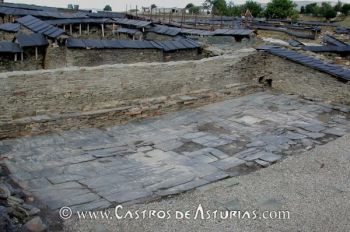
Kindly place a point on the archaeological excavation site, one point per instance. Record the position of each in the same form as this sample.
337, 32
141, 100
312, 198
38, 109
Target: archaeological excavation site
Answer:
173, 119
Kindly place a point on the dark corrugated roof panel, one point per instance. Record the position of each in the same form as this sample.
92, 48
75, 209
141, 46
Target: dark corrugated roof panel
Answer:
106, 14
329, 48
29, 7
100, 44
165, 30
178, 44
342, 30
334, 41
31, 40
39, 26
10, 27
37, 13
128, 31
295, 43
9, 47
78, 21
133, 44
130, 22
332, 69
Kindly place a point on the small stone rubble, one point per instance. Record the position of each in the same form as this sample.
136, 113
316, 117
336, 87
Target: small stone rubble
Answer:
16, 211
161, 156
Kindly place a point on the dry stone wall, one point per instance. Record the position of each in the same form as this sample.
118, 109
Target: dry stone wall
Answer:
49, 95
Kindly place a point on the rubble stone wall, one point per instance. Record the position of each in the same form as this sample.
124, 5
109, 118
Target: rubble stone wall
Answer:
94, 57
79, 91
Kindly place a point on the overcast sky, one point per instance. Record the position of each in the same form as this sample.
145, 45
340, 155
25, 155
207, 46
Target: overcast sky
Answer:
120, 5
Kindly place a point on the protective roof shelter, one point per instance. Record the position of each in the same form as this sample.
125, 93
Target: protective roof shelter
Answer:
329, 48
330, 40
132, 44
9, 47
332, 69
31, 40
60, 22
10, 27
39, 26
165, 30
5, 10
106, 14
133, 23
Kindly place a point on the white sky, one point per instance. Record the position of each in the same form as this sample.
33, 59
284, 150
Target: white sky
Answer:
120, 5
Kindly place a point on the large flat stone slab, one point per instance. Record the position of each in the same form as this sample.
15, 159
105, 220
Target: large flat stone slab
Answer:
92, 169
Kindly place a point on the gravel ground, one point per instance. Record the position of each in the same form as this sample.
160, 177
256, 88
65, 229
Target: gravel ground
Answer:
314, 187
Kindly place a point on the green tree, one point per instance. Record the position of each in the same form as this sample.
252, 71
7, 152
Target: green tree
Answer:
345, 9
189, 5
280, 9
194, 10
338, 6
219, 7
302, 10
312, 9
107, 8
234, 10
153, 6
327, 11
254, 7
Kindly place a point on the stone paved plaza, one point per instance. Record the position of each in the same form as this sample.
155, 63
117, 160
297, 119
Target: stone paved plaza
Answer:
138, 161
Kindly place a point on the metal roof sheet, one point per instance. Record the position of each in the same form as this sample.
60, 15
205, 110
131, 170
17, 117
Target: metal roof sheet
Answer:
128, 31
79, 21
131, 22
165, 30
106, 14
334, 41
342, 30
31, 40
295, 43
29, 7
133, 44
10, 27
331, 69
329, 48
37, 13
9, 47
37, 25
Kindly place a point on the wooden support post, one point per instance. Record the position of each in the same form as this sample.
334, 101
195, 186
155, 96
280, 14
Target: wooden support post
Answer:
22, 56
113, 28
64, 27
103, 30
133, 37
88, 29
15, 57
70, 29
182, 18
36, 53
195, 21
80, 29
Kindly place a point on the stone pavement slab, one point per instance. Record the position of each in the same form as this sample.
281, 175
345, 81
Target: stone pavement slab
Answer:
165, 155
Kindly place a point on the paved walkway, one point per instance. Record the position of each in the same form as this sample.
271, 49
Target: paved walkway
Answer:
90, 169
314, 187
